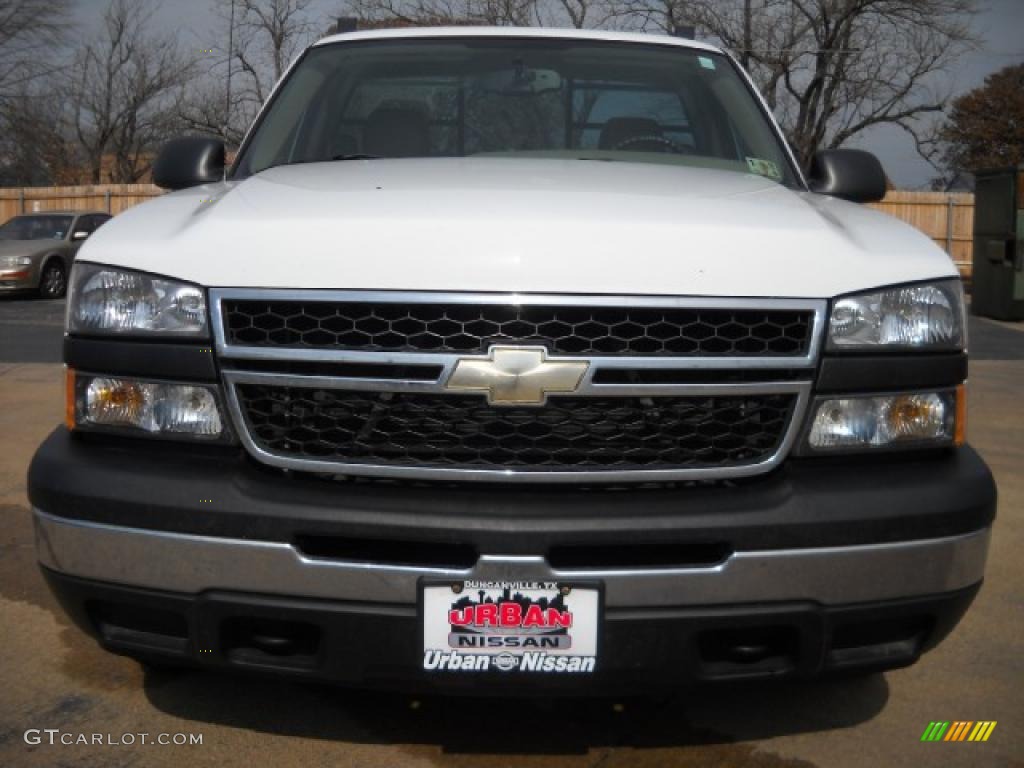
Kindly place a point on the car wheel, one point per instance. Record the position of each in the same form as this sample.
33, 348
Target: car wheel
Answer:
54, 281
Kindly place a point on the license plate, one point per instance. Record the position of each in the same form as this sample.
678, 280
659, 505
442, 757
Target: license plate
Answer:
541, 627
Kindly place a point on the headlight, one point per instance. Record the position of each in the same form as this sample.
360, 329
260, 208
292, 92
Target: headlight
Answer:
107, 300
158, 409
15, 261
926, 316
887, 421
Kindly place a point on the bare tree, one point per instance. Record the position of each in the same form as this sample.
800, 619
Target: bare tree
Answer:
255, 43
209, 108
30, 30
124, 91
433, 13
268, 35
831, 69
649, 15
35, 143
580, 14
577, 12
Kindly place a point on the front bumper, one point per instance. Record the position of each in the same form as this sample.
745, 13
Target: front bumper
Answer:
21, 279
201, 556
377, 645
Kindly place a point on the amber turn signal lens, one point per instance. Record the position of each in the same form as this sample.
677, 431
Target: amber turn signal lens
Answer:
960, 430
69, 397
158, 408
913, 418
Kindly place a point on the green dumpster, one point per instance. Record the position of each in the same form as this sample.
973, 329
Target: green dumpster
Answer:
998, 279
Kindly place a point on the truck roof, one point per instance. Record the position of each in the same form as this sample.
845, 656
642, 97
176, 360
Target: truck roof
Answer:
534, 32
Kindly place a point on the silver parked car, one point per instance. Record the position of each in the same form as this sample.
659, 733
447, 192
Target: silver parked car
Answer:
36, 249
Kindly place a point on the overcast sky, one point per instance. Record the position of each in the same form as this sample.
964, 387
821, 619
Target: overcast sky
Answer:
1000, 26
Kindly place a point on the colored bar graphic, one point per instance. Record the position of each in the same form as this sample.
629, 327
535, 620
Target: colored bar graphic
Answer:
958, 730
982, 730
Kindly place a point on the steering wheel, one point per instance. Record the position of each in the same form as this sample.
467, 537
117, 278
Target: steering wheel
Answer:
655, 142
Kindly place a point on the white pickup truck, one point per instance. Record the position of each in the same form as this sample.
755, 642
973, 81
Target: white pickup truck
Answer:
514, 360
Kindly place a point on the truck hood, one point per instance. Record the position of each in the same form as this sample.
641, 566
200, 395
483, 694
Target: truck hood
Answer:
526, 225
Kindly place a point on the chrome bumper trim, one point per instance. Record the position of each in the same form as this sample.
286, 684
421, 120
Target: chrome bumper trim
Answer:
191, 564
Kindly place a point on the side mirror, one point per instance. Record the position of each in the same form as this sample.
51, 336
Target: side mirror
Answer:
79, 235
850, 174
189, 161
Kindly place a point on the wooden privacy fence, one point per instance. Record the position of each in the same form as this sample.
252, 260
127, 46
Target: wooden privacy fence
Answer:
112, 198
947, 218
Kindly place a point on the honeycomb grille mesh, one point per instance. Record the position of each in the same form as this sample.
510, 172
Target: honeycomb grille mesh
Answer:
472, 328
569, 433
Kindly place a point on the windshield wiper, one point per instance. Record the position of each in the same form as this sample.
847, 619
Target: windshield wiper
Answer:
356, 156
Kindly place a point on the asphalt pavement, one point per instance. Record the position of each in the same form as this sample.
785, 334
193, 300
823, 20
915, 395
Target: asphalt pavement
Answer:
53, 677
31, 330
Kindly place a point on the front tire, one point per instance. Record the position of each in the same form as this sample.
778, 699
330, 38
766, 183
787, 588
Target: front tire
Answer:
53, 283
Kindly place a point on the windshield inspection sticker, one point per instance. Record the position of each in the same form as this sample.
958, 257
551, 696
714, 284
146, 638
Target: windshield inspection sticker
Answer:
516, 626
706, 62
764, 168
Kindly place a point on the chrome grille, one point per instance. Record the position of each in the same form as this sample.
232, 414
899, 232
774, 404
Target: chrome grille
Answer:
343, 382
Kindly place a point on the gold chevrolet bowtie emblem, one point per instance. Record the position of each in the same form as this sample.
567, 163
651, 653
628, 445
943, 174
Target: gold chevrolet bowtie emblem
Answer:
517, 375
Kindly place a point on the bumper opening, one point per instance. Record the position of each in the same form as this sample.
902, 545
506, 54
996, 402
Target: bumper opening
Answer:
646, 555
372, 645
766, 650
266, 642
134, 625
872, 642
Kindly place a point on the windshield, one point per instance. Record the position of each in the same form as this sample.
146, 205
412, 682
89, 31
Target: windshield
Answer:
36, 228
458, 97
